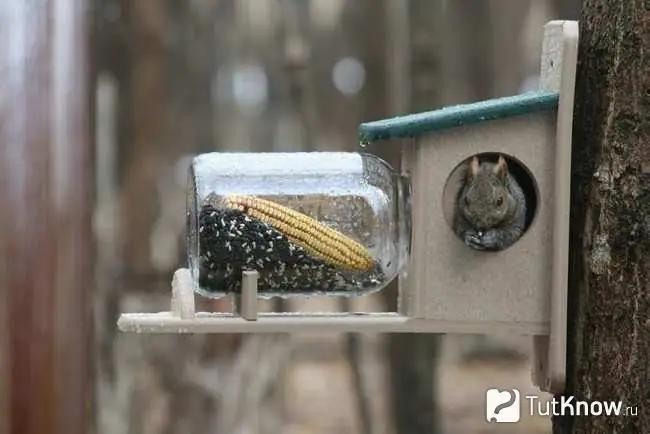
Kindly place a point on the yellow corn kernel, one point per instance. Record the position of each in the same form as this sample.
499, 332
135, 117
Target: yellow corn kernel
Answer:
310, 234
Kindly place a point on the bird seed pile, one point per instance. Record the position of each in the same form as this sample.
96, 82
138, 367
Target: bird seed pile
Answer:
231, 241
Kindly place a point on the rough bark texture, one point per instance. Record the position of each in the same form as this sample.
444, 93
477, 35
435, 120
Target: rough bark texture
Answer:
609, 306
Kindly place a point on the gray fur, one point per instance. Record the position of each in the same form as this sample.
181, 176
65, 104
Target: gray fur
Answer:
480, 220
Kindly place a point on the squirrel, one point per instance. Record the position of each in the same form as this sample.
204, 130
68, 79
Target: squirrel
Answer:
490, 212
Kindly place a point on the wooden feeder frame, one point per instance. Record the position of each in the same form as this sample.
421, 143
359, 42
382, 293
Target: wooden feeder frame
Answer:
557, 81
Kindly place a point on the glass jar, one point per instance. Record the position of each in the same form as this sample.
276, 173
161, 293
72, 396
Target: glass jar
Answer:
311, 223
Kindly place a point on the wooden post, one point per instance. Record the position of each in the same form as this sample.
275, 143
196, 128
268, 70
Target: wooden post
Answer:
609, 277
46, 191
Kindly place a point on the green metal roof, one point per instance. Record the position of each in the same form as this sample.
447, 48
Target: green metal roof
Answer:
454, 116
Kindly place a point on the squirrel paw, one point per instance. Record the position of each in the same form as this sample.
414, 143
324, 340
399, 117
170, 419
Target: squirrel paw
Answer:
475, 240
481, 241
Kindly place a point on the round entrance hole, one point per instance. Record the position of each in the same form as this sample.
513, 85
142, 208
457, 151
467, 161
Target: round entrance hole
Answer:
517, 170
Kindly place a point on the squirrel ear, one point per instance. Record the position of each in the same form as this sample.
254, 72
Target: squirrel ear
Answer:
473, 166
501, 169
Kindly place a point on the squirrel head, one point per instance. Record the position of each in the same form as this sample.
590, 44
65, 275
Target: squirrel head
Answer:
485, 199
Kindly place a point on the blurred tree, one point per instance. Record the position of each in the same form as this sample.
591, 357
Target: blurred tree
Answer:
481, 53
609, 277
46, 192
144, 95
370, 103
160, 71
567, 9
413, 65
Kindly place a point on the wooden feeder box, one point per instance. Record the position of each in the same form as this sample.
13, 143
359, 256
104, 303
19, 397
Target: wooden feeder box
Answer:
448, 287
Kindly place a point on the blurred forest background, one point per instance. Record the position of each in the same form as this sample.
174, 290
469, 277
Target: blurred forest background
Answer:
175, 78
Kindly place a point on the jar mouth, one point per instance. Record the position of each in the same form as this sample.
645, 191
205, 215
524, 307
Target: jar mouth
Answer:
405, 198
192, 223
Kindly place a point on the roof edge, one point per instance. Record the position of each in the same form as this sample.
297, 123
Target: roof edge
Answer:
455, 116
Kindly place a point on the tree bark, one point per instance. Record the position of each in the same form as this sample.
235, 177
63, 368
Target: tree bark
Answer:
609, 275
46, 197
567, 9
146, 99
413, 71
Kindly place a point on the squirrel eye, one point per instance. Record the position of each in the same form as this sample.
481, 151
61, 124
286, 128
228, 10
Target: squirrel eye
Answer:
499, 200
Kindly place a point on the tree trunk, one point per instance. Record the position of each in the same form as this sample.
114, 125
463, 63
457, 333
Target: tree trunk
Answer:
567, 9
146, 100
413, 70
609, 302
46, 196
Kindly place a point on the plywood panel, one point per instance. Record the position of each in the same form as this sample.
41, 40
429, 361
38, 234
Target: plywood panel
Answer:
449, 281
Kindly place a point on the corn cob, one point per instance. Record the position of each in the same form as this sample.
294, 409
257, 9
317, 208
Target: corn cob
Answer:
230, 241
306, 232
